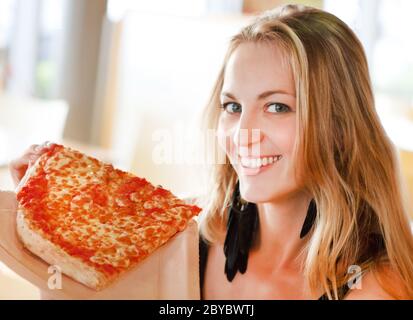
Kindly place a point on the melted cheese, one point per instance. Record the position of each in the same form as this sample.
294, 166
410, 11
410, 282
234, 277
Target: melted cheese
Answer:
106, 217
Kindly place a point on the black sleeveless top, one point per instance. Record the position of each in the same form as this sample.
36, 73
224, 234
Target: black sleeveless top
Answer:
203, 256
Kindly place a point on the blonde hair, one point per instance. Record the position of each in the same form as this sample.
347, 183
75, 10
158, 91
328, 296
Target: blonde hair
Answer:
351, 166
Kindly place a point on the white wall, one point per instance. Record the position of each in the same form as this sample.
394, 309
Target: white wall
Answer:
168, 65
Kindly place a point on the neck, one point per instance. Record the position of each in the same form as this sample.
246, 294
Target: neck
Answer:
278, 240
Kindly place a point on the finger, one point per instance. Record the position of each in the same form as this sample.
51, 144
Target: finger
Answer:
16, 163
22, 162
35, 149
32, 149
41, 148
33, 158
18, 169
47, 145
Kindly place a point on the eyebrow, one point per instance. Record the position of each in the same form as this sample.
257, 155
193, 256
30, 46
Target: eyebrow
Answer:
261, 96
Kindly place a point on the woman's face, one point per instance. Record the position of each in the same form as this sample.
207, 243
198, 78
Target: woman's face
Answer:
257, 125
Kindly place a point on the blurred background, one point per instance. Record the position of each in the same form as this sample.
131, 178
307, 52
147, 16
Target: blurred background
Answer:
115, 78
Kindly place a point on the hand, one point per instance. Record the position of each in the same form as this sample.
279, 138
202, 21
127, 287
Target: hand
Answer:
19, 166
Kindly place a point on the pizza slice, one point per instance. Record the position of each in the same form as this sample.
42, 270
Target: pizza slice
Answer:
92, 220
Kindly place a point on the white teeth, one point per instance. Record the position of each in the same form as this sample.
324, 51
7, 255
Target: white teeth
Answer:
245, 162
257, 163
253, 163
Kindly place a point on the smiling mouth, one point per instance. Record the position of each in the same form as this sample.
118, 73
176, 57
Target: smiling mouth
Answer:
256, 163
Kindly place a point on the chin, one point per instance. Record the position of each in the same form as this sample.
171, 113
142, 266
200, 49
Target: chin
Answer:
257, 194
253, 194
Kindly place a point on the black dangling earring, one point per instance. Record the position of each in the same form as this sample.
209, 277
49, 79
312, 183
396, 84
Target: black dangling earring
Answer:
242, 227
309, 219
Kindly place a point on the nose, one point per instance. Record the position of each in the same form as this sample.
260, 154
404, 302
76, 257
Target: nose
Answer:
248, 136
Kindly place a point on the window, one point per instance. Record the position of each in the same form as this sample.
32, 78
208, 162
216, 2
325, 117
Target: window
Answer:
384, 28
7, 8
31, 35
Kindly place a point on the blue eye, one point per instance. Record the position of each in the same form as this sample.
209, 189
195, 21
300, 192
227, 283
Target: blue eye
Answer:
232, 107
277, 108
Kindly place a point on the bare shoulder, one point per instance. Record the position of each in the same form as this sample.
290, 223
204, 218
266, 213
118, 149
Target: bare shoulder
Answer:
371, 286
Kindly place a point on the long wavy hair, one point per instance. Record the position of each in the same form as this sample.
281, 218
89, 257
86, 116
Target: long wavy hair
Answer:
351, 166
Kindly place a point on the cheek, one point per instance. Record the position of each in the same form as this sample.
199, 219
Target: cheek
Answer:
283, 135
224, 134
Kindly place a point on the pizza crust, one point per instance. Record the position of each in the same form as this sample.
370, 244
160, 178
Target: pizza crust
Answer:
54, 255
36, 241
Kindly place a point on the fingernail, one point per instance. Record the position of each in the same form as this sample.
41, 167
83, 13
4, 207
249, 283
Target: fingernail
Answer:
49, 144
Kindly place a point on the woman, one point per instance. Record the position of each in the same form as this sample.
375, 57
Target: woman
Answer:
294, 113
309, 195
